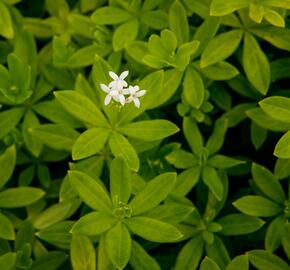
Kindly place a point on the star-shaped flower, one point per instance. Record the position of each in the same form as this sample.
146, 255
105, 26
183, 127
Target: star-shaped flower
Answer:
114, 93
135, 93
118, 81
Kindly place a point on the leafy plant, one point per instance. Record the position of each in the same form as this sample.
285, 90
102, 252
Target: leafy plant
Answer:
144, 134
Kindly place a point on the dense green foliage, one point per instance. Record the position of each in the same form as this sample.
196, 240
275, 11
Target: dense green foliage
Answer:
181, 163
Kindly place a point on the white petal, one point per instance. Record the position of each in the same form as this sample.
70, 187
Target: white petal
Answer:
136, 102
107, 99
131, 90
113, 84
130, 99
114, 93
120, 84
140, 93
105, 88
124, 74
125, 91
113, 75
124, 84
122, 99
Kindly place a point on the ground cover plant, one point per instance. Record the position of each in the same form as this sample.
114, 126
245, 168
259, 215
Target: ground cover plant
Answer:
144, 135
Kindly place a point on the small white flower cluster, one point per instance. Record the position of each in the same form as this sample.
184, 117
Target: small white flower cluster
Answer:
119, 91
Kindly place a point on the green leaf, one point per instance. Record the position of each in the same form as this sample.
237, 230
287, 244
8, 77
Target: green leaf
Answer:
221, 47
49, 260
9, 119
240, 262
33, 145
20, 196
118, 245
162, 46
154, 192
262, 260
125, 34
282, 168
56, 213
286, 240
276, 3
192, 135
7, 261
54, 111
213, 181
6, 229
187, 180
90, 191
218, 252
274, 18
282, 148
121, 147
221, 8
187, 259
82, 253
153, 230
267, 183
6, 24
258, 135
206, 32
184, 53
7, 164
193, 88
171, 212
265, 121
278, 37
93, 224
178, 22
209, 264
149, 130
224, 162
56, 136
90, 142
111, 15
155, 19
81, 107
182, 159
141, 260
256, 12
220, 71
239, 224
216, 140
277, 108
120, 181
83, 57
256, 64
57, 234
257, 206
274, 233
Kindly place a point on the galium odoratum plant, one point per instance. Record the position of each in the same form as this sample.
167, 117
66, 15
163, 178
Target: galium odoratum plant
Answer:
117, 216
109, 128
269, 202
117, 90
204, 161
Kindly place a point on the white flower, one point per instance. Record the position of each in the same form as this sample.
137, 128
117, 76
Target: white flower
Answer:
116, 90
114, 93
135, 93
118, 81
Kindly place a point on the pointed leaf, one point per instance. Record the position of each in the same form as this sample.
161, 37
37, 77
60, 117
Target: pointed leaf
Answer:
153, 230
93, 224
154, 192
90, 191
118, 245
121, 147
